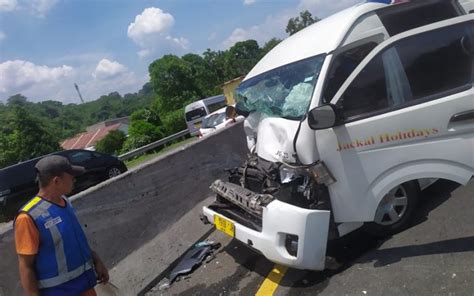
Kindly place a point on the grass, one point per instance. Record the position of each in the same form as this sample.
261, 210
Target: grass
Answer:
145, 157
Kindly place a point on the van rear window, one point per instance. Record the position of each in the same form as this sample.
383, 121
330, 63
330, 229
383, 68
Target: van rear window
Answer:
195, 114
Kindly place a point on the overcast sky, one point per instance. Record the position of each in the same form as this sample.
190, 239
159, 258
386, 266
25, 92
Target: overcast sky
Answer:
106, 45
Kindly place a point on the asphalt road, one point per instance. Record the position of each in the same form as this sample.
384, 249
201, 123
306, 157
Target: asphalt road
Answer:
433, 257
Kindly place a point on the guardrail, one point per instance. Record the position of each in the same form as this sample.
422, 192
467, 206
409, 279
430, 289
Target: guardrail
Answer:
153, 145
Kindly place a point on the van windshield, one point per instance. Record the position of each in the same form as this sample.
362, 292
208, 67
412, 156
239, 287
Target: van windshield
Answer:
282, 92
213, 120
195, 114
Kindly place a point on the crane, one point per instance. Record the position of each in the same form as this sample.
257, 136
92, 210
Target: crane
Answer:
78, 92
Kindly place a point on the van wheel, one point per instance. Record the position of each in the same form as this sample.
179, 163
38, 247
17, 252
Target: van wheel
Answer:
395, 210
113, 172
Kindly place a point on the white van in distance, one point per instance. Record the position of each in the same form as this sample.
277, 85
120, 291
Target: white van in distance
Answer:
347, 121
196, 111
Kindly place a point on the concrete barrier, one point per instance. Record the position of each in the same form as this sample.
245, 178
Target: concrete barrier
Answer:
131, 220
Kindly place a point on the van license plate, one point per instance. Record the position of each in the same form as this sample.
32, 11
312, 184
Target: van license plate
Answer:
197, 125
224, 225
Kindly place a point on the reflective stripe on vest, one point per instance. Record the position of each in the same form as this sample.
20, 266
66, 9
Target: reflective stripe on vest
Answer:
47, 218
64, 277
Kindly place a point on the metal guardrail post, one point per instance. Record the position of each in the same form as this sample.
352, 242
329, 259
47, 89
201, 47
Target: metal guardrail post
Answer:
153, 145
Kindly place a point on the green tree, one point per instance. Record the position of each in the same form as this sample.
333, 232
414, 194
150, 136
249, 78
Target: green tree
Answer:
300, 22
205, 80
27, 138
7, 150
269, 45
242, 57
172, 80
112, 143
174, 122
17, 100
31, 139
145, 128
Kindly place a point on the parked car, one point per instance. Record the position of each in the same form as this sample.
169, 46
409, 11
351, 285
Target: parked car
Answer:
18, 182
217, 120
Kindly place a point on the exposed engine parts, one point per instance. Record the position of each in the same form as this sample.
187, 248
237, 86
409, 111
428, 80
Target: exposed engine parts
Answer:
244, 198
258, 182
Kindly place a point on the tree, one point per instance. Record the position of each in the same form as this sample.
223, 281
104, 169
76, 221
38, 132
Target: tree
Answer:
269, 45
112, 143
7, 150
242, 58
27, 138
298, 23
205, 80
31, 139
17, 100
172, 80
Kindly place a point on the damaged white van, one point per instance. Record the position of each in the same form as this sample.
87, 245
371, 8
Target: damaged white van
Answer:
347, 121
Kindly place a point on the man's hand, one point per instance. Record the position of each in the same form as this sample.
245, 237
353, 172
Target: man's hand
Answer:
102, 272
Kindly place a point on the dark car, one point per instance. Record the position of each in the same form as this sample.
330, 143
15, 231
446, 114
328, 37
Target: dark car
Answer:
18, 182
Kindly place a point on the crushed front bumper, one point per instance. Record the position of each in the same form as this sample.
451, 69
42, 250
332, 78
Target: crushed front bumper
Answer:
281, 222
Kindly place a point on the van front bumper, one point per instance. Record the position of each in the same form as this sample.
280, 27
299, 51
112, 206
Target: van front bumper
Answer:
281, 223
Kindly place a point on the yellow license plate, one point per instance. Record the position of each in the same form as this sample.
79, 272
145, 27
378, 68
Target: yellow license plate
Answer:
197, 125
224, 225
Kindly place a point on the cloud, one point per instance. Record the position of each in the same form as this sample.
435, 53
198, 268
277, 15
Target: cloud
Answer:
249, 2
274, 25
39, 83
107, 69
150, 31
151, 21
8, 5
2, 36
41, 7
19, 75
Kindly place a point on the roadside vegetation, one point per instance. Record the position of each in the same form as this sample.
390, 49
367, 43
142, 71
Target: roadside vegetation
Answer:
146, 157
29, 130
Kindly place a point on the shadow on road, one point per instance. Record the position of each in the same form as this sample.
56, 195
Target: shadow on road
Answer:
360, 247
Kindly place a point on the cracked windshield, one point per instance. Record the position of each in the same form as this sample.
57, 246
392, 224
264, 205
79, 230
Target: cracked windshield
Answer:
284, 92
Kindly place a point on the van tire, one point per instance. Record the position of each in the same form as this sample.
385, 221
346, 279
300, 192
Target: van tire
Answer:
395, 210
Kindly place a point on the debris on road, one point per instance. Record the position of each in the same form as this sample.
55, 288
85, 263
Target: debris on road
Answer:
199, 253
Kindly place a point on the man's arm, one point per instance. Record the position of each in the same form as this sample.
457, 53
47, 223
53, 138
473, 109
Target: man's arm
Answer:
26, 265
102, 273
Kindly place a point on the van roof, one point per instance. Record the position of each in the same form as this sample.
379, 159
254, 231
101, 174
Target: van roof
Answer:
321, 37
200, 103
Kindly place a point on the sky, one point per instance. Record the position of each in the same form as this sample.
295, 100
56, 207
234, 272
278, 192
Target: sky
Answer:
106, 45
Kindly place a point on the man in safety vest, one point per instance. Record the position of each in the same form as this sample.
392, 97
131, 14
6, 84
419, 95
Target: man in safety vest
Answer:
53, 253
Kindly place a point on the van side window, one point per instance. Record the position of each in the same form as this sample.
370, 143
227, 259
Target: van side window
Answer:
416, 69
403, 17
216, 106
438, 61
343, 66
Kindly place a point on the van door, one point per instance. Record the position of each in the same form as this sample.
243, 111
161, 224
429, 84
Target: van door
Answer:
408, 113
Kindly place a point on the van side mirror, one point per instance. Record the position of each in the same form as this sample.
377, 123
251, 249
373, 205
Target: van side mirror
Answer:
322, 117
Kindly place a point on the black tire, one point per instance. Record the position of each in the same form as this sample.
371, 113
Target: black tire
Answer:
383, 224
112, 171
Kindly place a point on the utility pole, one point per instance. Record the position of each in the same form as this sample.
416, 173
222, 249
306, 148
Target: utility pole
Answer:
78, 92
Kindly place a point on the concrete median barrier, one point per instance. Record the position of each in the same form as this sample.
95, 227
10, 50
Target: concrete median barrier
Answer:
143, 220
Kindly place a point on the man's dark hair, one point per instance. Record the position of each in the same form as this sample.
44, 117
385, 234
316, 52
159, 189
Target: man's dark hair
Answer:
43, 179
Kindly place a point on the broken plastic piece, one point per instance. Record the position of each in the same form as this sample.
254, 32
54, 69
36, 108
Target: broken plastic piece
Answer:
193, 258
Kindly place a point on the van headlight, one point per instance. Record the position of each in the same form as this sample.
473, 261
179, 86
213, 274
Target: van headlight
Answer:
288, 175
